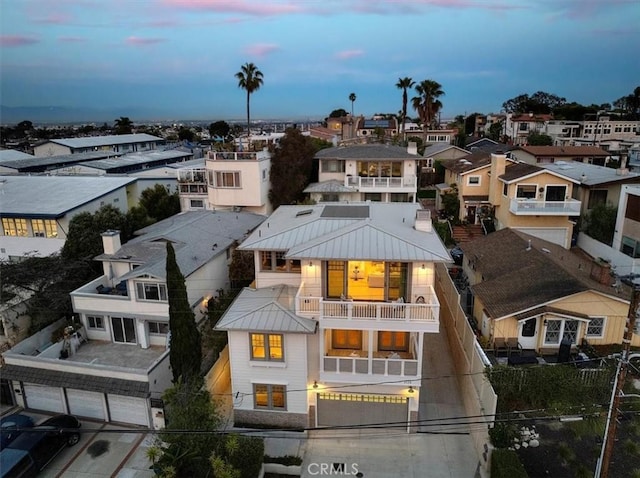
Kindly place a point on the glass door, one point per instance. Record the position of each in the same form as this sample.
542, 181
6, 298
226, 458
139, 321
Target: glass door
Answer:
124, 330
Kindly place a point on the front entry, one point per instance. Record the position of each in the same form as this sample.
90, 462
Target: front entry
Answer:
471, 214
528, 334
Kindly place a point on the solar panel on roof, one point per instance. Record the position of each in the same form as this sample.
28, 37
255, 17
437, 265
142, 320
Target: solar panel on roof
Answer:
376, 123
356, 212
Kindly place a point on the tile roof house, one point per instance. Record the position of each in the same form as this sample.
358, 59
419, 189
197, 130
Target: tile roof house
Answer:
519, 126
536, 292
117, 366
361, 172
333, 332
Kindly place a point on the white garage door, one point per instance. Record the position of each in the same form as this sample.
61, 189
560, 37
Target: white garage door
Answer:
86, 404
556, 235
358, 409
128, 409
40, 397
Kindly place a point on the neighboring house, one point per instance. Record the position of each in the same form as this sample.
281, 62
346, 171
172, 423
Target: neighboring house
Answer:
344, 127
33, 164
608, 128
433, 136
12, 155
471, 176
563, 133
370, 128
333, 332
596, 184
538, 293
432, 156
123, 143
551, 154
366, 172
117, 367
518, 126
36, 210
130, 163
487, 145
192, 185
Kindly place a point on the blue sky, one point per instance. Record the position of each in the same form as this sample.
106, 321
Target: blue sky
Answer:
180, 56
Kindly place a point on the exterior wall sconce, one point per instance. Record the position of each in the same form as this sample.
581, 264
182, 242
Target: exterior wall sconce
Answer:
315, 384
423, 267
410, 388
310, 263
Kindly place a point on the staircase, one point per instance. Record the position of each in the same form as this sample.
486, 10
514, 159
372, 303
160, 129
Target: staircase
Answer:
463, 234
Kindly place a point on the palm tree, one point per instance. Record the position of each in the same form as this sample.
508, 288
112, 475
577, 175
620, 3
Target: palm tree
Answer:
249, 79
427, 103
352, 98
123, 125
403, 84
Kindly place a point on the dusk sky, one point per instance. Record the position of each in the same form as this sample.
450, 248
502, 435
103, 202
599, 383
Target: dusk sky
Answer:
179, 57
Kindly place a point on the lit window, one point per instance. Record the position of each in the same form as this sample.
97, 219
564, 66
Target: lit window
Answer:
14, 227
267, 347
272, 397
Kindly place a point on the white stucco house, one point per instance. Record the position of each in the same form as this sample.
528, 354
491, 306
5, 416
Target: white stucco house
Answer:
116, 367
333, 331
366, 172
117, 143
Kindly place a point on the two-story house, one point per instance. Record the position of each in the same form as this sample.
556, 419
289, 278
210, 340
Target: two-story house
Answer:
366, 172
551, 154
534, 293
117, 367
333, 332
518, 126
36, 210
117, 143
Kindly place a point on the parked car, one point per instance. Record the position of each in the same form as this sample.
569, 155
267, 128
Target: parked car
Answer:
11, 426
30, 452
457, 255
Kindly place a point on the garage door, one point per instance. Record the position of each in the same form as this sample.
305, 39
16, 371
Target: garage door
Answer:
128, 409
556, 235
86, 404
359, 409
39, 397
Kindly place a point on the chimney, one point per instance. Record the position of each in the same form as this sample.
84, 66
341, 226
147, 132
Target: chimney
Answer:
498, 167
423, 220
111, 241
412, 148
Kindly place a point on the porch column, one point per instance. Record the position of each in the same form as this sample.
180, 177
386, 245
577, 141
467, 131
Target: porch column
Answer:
143, 333
322, 352
420, 352
370, 351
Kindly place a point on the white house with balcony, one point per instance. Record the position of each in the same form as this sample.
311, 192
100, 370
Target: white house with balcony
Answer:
117, 143
332, 333
116, 367
366, 172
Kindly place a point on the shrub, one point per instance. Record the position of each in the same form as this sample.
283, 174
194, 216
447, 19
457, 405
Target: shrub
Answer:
506, 464
502, 434
287, 460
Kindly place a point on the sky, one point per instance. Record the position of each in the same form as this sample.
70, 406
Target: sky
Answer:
179, 57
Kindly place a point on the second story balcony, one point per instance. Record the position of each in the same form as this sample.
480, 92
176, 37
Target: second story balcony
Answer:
237, 155
192, 181
532, 207
401, 183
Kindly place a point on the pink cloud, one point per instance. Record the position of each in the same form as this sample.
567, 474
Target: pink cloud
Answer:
348, 54
261, 49
413, 6
72, 39
137, 41
55, 19
246, 7
17, 40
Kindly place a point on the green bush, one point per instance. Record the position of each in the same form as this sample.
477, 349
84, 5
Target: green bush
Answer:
427, 194
247, 455
502, 434
287, 460
506, 464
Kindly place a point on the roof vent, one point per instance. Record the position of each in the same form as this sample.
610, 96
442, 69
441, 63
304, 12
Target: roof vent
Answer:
528, 245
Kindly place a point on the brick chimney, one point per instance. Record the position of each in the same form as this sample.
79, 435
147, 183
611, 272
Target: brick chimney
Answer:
111, 241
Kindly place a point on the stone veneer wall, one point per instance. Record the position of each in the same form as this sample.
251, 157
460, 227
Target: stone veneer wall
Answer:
270, 418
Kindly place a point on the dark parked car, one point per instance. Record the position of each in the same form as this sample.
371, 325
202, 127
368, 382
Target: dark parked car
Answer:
457, 255
34, 449
11, 426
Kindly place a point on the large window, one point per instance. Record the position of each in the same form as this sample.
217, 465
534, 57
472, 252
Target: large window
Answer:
380, 169
275, 261
267, 347
158, 328
330, 197
124, 330
393, 341
44, 228
14, 227
151, 291
332, 166
230, 179
595, 328
526, 191
271, 397
346, 339
556, 330
555, 193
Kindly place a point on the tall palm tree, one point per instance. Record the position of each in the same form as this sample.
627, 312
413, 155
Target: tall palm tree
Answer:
403, 84
123, 125
249, 79
427, 103
352, 98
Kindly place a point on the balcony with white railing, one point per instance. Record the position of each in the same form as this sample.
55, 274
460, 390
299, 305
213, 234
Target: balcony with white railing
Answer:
335, 313
192, 181
237, 155
393, 184
532, 207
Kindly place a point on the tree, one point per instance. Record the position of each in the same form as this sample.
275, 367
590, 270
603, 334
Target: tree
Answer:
220, 129
538, 103
404, 84
599, 223
630, 104
83, 238
291, 168
123, 125
495, 130
352, 98
339, 113
451, 203
539, 139
427, 103
242, 269
186, 134
159, 202
185, 354
250, 79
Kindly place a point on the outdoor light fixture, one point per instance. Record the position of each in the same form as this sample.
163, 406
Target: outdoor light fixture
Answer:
310, 263
410, 388
315, 384
423, 267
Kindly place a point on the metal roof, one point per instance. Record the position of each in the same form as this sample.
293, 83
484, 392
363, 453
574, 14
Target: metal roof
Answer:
97, 141
197, 237
136, 159
41, 162
365, 151
590, 174
53, 196
12, 155
387, 233
440, 147
269, 309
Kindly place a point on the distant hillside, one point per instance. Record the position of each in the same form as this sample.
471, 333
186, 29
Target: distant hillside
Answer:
60, 114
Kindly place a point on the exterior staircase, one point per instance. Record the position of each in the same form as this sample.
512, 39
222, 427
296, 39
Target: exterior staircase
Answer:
463, 234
